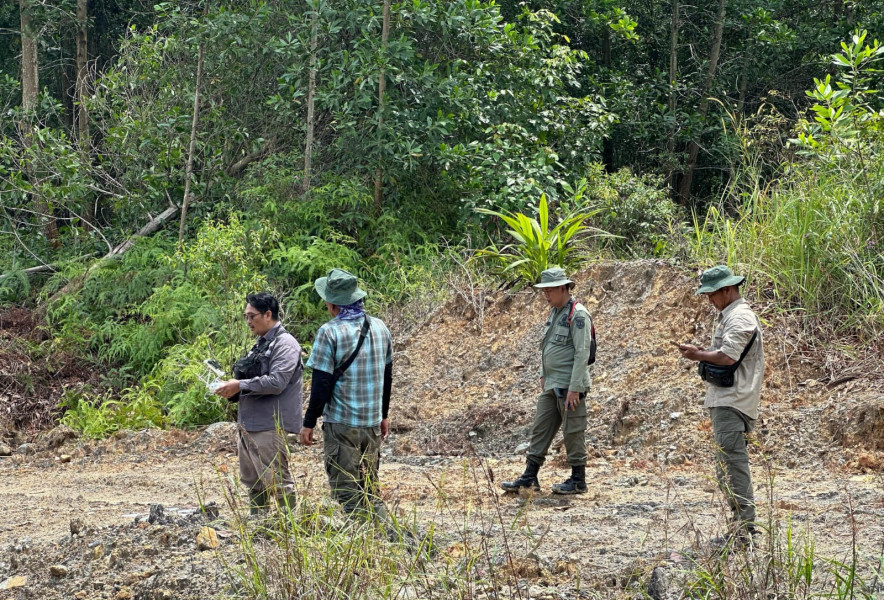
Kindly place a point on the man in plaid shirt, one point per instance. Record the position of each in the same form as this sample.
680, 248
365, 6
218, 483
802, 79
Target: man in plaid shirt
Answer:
353, 403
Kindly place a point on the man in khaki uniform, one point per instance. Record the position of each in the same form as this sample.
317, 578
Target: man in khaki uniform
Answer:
737, 341
564, 381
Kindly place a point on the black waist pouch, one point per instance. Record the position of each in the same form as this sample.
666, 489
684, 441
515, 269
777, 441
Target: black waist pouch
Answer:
722, 375
717, 375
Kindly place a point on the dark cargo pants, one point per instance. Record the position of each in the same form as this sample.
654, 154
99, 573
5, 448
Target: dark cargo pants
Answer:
729, 429
551, 415
351, 456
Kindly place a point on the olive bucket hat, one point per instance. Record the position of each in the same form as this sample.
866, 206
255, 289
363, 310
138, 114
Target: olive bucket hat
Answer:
339, 288
716, 278
553, 277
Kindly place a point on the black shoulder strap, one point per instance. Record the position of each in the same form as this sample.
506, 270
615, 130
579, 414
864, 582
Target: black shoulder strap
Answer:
346, 364
746, 349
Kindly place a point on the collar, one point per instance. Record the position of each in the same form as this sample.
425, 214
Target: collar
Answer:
273, 333
731, 307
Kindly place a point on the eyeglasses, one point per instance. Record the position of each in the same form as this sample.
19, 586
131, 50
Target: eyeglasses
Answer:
250, 316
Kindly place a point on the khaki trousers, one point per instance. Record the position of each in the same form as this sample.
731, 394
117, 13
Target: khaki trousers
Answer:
264, 462
729, 429
551, 415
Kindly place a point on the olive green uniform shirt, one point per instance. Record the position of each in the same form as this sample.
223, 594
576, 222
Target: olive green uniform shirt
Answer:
734, 329
565, 349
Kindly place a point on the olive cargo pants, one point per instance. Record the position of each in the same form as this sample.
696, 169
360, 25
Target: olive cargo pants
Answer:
729, 429
551, 415
351, 456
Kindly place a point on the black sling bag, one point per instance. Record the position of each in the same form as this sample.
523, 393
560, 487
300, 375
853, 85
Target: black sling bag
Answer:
723, 375
339, 372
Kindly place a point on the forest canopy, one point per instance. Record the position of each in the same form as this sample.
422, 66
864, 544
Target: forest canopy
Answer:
158, 162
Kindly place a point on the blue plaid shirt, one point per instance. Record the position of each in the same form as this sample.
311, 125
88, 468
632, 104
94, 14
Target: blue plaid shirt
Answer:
358, 395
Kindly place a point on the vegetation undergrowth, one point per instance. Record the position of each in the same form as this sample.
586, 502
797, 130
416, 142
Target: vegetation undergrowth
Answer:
816, 235
806, 220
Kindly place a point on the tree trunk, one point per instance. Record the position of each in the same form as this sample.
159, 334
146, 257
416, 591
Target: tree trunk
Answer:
188, 171
30, 87
82, 51
673, 76
311, 91
607, 142
744, 88
83, 138
30, 82
382, 88
694, 146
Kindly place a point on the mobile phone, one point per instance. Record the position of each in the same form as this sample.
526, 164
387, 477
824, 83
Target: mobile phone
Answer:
214, 366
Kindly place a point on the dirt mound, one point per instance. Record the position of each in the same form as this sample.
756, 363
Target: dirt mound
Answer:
157, 555
472, 370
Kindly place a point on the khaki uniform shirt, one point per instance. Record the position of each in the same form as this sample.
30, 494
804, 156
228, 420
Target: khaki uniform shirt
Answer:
734, 329
565, 349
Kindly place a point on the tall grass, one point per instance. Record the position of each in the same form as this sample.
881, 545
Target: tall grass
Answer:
816, 240
313, 551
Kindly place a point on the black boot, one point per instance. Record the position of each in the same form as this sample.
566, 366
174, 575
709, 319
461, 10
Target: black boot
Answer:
258, 502
575, 484
528, 479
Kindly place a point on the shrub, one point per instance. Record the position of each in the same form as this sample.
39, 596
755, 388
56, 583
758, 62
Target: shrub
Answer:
636, 210
100, 416
537, 247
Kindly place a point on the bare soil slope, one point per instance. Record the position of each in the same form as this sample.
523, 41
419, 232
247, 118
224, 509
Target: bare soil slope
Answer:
464, 394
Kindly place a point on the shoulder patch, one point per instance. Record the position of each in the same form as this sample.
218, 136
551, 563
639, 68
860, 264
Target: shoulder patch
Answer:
580, 322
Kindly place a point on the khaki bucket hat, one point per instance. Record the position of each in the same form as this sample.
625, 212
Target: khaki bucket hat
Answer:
714, 279
553, 277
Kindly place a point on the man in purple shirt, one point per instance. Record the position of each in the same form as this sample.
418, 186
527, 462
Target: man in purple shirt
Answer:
269, 396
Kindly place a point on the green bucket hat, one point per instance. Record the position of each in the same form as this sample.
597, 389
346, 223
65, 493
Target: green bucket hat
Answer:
553, 277
716, 278
339, 288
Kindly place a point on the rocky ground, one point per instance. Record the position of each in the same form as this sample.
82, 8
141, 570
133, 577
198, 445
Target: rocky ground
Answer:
121, 518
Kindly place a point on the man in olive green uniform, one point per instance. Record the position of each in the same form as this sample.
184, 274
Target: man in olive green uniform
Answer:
737, 342
564, 381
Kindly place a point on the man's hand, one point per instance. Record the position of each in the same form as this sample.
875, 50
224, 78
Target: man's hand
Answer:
572, 400
542, 381
385, 429
306, 436
716, 357
690, 351
228, 389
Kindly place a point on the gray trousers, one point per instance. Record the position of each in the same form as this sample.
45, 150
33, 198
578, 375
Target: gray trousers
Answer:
264, 462
729, 429
351, 456
551, 415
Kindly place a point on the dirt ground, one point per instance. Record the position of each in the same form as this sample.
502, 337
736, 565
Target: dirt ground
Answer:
75, 516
